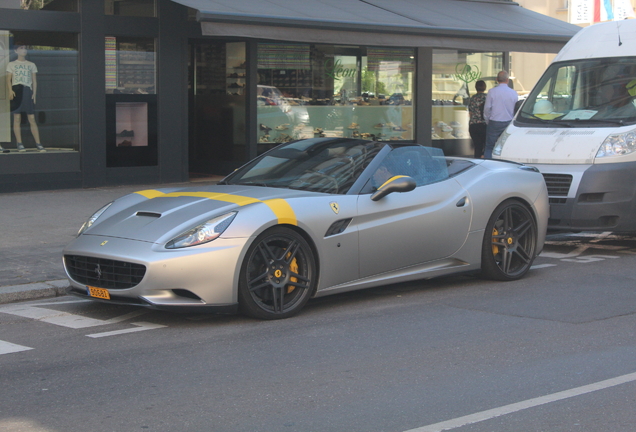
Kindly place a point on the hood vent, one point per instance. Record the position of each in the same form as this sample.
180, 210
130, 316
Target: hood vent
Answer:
148, 214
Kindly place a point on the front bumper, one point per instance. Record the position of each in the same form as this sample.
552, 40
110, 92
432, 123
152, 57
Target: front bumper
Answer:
598, 197
196, 278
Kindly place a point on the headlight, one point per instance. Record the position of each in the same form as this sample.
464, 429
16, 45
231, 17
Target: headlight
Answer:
93, 218
500, 143
204, 233
618, 144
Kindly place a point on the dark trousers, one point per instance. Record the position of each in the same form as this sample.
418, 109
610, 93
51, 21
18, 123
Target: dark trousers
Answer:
478, 134
493, 131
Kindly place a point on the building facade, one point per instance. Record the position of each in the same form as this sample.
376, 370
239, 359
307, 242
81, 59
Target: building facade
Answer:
108, 92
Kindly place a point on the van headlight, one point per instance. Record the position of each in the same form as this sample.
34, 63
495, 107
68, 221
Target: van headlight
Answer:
206, 232
618, 144
500, 143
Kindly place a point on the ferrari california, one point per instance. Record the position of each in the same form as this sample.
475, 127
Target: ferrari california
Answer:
307, 219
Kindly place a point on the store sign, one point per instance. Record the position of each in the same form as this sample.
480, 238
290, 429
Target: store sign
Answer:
334, 69
466, 73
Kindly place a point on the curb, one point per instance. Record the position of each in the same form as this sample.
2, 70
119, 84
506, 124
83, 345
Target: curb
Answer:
16, 293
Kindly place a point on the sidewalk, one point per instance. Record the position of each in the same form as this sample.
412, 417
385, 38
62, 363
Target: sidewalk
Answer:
35, 227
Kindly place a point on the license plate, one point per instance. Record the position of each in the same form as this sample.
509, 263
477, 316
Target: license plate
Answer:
98, 292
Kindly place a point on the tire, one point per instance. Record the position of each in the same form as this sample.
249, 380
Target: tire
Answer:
278, 275
510, 242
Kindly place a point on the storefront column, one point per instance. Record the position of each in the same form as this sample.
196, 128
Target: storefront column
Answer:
92, 97
424, 89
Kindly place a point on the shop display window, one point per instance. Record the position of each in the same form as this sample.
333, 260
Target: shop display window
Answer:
307, 91
49, 5
131, 124
130, 65
39, 93
145, 8
131, 130
453, 83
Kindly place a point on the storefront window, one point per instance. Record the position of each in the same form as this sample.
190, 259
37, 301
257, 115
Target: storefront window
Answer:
39, 95
130, 65
131, 102
144, 8
217, 84
307, 91
50, 5
454, 76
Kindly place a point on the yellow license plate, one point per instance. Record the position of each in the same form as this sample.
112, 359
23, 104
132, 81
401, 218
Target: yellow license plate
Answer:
98, 292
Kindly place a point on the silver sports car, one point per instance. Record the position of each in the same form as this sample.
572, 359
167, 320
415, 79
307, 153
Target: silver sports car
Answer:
307, 219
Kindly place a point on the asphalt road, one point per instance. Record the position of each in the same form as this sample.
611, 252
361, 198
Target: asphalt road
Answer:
555, 351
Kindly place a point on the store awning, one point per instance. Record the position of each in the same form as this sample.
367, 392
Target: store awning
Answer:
484, 25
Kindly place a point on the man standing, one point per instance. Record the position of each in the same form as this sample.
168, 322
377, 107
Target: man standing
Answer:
498, 111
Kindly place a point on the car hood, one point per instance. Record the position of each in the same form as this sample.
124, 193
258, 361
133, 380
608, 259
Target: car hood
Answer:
157, 215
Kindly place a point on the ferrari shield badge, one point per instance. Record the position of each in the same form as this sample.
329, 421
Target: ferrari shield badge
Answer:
103, 243
335, 207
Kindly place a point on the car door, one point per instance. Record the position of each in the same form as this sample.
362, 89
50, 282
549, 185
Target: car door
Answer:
405, 229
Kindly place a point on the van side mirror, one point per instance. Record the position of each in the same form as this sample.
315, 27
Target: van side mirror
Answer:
394, 184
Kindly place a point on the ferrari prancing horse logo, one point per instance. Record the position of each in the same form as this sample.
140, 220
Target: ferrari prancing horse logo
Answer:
335, 207
103, 243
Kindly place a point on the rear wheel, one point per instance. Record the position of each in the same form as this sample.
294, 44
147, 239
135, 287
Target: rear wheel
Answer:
278, 275
510, 242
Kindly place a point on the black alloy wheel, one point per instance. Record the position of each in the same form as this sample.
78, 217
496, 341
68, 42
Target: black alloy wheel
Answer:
278, 275
510, 242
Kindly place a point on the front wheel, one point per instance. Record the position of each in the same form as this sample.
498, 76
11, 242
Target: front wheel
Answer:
510, 242
278, 275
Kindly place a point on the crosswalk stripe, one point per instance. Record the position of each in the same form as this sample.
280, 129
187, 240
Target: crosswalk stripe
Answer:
8, 347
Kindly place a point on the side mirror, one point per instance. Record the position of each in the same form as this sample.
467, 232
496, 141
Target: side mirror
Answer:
394, 184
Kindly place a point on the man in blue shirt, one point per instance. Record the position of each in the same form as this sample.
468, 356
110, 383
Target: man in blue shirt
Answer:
498, 111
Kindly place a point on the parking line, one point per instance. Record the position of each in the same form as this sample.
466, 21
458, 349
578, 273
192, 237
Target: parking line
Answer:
538, 266
141, 327
530, 403
8, 347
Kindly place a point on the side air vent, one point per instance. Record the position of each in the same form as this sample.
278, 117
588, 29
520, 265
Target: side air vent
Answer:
338, 227
558, 184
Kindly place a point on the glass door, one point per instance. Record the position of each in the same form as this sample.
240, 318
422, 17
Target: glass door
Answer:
217, 105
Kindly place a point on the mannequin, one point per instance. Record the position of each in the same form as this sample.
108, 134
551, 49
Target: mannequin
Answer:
22, 85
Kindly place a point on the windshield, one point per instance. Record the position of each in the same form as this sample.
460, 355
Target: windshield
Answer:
596, 92
317, 165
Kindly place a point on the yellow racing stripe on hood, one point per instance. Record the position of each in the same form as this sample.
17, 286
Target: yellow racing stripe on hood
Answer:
281, 208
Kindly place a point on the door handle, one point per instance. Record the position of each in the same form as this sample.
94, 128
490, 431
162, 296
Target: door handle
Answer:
461, 202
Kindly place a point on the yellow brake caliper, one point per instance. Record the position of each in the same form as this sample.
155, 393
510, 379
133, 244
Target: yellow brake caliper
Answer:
293, 267
495, 248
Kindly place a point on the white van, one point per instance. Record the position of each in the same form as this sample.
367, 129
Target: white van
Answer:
578, 127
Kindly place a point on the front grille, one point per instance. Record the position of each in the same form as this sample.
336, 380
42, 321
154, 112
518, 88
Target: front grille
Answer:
104, 273
558, 184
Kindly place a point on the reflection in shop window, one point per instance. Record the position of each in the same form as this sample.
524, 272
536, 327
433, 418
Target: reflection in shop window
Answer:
39, 95
307, 91
50, 5
130, 65
453, 83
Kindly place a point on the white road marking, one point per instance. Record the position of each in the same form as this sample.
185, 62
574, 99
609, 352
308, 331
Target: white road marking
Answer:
590, 258
538, 266
64, 319
142, 326
530, 403
8, 348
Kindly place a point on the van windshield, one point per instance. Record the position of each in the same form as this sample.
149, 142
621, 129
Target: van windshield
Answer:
583, 93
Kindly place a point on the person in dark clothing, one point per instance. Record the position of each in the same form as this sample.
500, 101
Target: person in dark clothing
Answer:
477, 124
